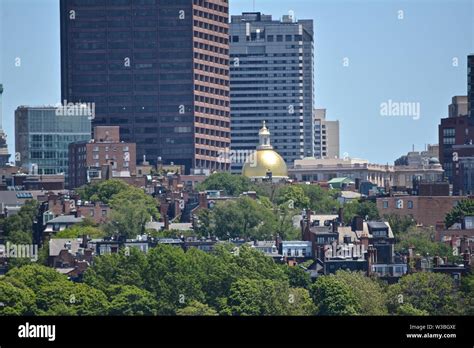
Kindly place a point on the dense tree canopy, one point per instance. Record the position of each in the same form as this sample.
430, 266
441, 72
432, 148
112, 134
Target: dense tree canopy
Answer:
334, 297
232, 185
462, 209
431, 293
102, 191
18, 228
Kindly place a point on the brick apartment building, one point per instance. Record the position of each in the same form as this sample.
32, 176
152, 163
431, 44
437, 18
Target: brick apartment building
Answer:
426, 210
105, 156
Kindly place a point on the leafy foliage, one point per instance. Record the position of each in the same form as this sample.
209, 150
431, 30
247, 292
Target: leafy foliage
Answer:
463, 208
102, 191
232, 185
433, 293
334, 297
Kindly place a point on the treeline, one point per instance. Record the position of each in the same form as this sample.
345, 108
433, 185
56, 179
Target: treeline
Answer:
229, 281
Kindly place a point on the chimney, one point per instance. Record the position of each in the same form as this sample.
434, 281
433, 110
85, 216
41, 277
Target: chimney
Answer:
464, 245
467, 258
334, 226
340, 214
84, 241
357, 224
371, 258
167, 222
202, 200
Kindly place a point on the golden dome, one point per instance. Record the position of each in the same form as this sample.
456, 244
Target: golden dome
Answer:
263, 161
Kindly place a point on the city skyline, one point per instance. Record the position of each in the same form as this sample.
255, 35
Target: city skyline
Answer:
343, 61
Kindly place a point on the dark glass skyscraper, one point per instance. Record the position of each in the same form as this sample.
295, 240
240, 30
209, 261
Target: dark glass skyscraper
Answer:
159, 69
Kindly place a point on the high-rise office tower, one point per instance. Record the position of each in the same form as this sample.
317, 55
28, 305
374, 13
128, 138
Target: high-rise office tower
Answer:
159, 69
4, 155
326, 136
271, 71
456, 138
43, 134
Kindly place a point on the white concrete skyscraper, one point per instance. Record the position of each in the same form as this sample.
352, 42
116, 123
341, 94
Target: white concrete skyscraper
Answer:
271, 73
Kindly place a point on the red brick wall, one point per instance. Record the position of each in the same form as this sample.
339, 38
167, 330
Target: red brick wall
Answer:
426, 210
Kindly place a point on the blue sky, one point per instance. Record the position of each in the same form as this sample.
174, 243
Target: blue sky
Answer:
403, 60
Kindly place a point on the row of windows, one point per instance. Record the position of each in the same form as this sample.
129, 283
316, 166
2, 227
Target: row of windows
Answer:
213, 122
211, 90
211, 79
270, 38
211, 59
208, 142
212, 132
212, 69
214, 101
211, 48
211, 111
211, 37
211, 27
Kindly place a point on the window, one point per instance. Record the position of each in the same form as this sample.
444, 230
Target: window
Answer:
385, 204
270, 38
235, 38
410, 204
279, 38
104, 212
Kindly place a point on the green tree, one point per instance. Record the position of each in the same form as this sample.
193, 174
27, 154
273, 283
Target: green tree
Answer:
293, 195
196, 308
67, 298
367, 292
131, 300
257, 297
360, 208
131, 210
300, 302
36, 276
321, 201
19, 228
423, 242
205, 223
16, 298
102, 191
122, 268
79, 230
297, 277
433, 293
467, 290
173, 278
244, 217
400, 224
232, 185
463, 208
333, 297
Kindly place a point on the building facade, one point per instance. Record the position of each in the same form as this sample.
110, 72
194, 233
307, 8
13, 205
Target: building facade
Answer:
326, 136
43, 135
103, 157
456, 135
426, 210
159, 69
312, 169
271, 72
